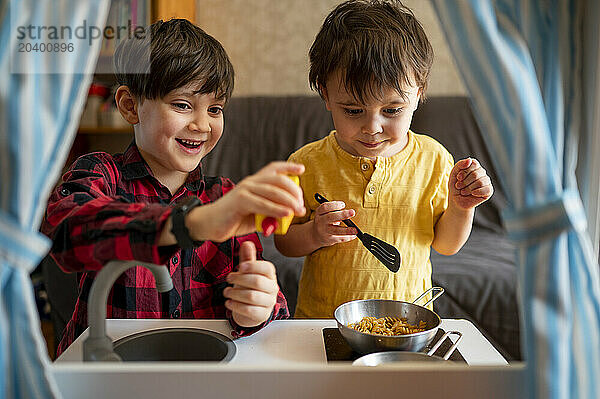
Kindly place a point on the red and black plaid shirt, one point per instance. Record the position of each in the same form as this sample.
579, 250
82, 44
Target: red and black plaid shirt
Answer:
112, 207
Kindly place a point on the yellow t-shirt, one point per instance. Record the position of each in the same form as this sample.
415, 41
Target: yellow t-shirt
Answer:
397, 199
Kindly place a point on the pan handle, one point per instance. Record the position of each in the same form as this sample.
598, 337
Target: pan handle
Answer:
441, 340
439, 290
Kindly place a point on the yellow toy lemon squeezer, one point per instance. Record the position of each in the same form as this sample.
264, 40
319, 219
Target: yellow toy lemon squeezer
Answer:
269, 225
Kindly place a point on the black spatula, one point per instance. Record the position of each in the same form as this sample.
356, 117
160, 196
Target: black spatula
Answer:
386, 253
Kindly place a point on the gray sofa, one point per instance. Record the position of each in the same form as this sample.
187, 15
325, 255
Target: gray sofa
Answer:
480, 281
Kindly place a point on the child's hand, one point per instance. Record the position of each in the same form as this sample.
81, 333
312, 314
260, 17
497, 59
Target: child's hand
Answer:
254, 291
469, 185
327, 227
268, 192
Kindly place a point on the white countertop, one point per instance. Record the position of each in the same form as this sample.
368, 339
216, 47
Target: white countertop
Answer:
286, 360
285, 342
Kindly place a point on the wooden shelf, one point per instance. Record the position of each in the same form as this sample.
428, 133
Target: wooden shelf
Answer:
105, 130
167, 9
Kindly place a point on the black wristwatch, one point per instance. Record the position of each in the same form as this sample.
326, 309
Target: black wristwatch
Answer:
181, 233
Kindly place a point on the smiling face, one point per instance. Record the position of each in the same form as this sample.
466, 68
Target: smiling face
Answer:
175, 132
377, 128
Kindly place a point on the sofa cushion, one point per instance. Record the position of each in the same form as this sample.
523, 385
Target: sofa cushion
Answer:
481, 286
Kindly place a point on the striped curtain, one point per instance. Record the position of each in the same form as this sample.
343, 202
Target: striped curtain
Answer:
521, 61
39, 113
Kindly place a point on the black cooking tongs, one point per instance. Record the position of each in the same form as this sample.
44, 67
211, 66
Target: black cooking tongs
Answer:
386, 253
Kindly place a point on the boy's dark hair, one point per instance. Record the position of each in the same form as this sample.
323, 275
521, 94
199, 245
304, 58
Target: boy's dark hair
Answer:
179, 53
375, 44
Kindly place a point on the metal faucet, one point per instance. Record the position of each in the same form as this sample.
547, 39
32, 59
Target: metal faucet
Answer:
98, 346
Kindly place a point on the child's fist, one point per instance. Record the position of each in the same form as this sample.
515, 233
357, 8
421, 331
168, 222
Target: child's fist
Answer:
268, 192
327, 226
469, 185
254, 291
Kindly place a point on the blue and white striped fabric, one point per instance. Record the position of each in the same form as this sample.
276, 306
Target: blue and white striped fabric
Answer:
521, 63
39, 113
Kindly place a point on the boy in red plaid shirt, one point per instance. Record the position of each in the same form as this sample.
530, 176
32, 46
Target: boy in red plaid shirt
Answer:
153, 204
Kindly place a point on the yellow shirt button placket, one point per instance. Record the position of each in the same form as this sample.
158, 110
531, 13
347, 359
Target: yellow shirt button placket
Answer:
370, 199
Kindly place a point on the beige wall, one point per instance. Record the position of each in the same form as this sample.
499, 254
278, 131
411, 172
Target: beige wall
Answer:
268, 42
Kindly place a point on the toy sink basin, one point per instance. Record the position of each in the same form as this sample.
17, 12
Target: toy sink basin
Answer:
175, 344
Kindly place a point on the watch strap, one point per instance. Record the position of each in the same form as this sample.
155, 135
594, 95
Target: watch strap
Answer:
178, 228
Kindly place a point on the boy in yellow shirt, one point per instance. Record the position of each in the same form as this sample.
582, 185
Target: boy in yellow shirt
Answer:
370, 62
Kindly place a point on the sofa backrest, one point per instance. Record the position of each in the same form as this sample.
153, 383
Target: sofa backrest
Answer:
450, 120
259, 130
